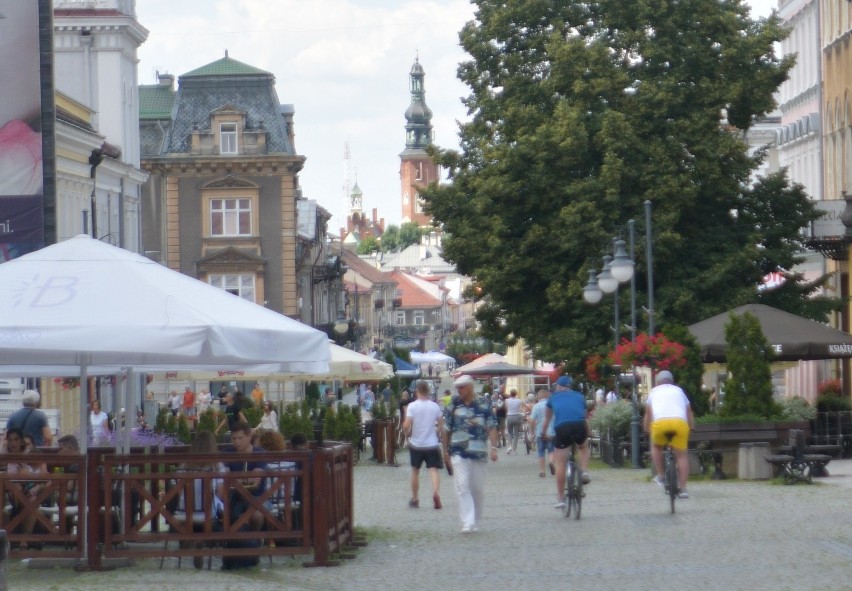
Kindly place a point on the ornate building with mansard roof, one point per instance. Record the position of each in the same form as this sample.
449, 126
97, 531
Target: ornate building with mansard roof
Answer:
221, 202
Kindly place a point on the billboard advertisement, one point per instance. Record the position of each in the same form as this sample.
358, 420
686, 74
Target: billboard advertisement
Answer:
21, 129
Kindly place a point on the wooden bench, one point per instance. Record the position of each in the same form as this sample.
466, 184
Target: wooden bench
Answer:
798, 465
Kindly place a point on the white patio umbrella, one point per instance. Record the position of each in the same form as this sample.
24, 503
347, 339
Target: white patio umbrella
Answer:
345, 364
82, 303
431, 357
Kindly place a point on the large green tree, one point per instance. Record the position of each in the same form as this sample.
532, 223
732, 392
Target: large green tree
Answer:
582, 111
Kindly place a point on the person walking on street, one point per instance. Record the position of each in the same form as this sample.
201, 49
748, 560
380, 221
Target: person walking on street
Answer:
98, 424
257, 394
514, 417
188, 405
498, 402
422, 418
566, 409
469, 429
175, 402
667, 410
544, 441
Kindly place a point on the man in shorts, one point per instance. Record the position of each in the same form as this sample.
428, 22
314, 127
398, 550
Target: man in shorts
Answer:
567, 410
543, 441
423, 419
667, 410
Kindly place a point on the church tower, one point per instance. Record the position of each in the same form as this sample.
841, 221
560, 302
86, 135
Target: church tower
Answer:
416, 169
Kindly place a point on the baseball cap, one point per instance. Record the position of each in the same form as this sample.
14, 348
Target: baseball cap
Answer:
463, 381
665, 376
564, 381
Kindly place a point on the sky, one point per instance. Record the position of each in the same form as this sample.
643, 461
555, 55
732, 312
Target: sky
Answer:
344, 66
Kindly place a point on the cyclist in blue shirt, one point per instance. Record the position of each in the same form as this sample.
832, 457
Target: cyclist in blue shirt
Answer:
567, 409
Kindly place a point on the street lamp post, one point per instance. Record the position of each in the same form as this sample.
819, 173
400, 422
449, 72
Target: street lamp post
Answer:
619, 269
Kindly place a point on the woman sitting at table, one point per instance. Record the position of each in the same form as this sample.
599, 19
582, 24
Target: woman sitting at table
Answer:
14, 444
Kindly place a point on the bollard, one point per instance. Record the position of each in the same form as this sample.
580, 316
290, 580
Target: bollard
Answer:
4, 556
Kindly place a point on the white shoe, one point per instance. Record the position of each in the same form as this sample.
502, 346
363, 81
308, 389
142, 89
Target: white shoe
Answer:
683, 494
467, 529
559, 505
659, 481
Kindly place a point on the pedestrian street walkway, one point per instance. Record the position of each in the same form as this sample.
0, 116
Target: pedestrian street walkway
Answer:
729, 535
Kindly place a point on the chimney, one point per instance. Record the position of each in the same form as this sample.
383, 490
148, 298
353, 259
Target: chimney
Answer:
166, 80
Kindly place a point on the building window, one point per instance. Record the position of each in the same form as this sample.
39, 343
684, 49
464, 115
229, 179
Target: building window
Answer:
418, 171
228, 138
399, 318
239, 285
230, 217
418, 203
418, 318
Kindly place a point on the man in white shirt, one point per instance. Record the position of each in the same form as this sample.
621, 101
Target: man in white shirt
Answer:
667, 411
423, 419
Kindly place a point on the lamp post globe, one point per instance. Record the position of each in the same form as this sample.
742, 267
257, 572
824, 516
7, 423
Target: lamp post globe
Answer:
591, 292
606, 281
621, 267
341, 325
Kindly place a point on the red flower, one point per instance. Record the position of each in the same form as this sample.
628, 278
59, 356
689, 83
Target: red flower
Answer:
656, 352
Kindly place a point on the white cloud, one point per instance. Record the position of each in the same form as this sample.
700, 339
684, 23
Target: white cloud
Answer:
343, 64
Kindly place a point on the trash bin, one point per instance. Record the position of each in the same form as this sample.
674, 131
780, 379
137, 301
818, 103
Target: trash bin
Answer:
752, 461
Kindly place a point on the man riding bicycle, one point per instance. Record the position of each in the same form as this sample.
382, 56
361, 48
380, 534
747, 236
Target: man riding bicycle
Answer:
667, 411
567, 409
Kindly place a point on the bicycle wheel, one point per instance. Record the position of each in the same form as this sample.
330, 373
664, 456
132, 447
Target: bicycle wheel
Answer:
569, 493
578, 493
527, 438
671, 479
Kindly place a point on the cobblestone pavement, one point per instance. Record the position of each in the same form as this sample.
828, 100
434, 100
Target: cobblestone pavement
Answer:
730, 535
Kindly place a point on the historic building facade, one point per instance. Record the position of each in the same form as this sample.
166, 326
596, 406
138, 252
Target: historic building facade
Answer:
99, 177
221, 202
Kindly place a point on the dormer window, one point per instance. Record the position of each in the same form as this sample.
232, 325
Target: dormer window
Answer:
228, 138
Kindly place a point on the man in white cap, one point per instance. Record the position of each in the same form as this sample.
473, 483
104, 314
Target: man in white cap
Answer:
566, 409
667, 410
469, 428
31, 420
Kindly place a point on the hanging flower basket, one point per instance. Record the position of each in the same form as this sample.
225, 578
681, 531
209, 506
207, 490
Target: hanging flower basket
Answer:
656, 352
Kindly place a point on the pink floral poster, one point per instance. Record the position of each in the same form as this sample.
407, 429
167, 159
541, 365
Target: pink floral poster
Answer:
21, 174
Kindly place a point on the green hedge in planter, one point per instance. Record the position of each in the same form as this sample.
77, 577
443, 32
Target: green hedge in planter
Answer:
614, 417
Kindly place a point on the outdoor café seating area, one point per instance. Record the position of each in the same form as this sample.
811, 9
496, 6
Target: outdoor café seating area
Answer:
158, 503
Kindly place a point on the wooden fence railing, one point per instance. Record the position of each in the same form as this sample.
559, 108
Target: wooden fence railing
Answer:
140, 505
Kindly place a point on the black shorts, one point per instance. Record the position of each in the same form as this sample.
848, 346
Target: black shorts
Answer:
568, 433
430, 455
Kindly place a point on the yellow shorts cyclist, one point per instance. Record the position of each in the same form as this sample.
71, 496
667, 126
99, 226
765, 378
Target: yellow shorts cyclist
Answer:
680, 428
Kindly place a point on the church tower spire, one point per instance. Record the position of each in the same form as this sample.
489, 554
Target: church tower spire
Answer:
418, 117
416, 168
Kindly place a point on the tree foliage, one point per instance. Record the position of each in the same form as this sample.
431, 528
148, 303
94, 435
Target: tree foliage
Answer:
401, 237
390, 239
582, 111
748, 354
367, 245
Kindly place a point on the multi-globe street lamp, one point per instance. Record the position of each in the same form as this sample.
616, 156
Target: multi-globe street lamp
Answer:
618, 269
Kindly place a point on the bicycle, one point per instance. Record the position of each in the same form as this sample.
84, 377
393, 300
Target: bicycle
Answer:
670, 480
528, 436
573, 486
